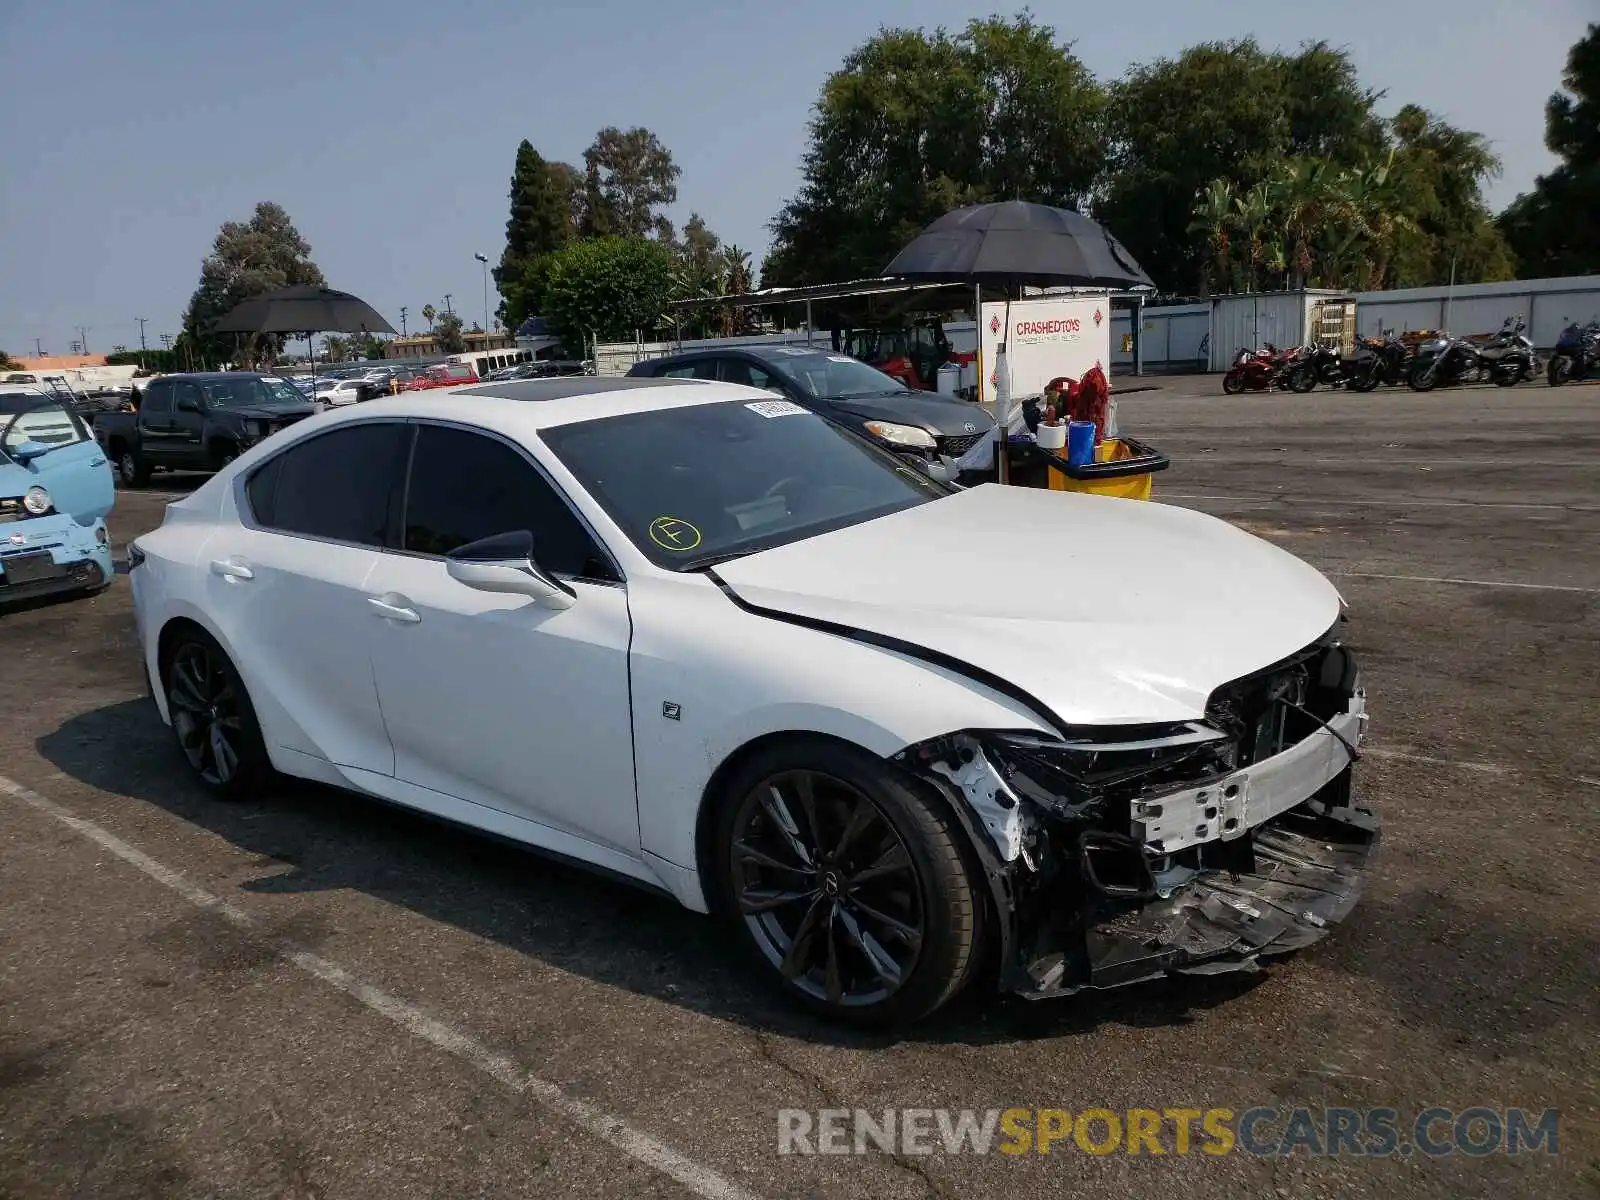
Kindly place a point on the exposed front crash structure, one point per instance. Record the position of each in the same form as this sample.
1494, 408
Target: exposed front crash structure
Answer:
1119, 854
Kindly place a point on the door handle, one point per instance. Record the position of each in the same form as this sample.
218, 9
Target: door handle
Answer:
232, 568
394, 608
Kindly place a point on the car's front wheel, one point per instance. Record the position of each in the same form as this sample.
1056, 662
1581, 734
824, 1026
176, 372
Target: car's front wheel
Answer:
849, 881
212, 716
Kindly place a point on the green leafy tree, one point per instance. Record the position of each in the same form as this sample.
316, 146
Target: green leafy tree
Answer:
429, 312
546, 202
628, 176
1230, 111
247, 258
447, 330
1438, 173
916, 123
366, 345
1555, 229
335, 348
609, 288
7, 363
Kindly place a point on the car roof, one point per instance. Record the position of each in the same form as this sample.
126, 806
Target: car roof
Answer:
525, 406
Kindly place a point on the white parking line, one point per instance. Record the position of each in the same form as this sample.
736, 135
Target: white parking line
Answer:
1335, 502
700, 1180
1484, 583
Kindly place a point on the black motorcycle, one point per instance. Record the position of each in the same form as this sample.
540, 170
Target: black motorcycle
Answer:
1377, 360
1316, 364
1505, 359
1577, 354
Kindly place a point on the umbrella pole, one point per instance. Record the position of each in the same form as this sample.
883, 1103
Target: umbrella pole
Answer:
1003, 359
312, 355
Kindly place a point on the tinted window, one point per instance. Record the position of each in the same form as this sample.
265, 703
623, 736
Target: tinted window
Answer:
692, 485
705, 368
838, 376
158, 398
466, 486
335, 485
188, 393
738, 370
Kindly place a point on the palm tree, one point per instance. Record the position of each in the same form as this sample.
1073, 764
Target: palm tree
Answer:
429, 312
1213, 215
736, 280
1252, 211
336, 348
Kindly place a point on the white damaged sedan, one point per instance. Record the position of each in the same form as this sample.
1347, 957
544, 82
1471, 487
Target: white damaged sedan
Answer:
895, 734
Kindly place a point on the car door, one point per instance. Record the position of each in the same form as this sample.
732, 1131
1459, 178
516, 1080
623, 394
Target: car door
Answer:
493, 698
74, 472
154, 421
187, 430
288, 585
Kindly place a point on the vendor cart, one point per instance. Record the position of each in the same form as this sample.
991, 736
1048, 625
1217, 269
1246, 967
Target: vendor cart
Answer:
1124, 467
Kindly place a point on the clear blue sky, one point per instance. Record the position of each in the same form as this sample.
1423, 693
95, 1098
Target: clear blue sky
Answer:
132, 131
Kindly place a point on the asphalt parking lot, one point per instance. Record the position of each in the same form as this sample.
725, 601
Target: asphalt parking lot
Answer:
315, 996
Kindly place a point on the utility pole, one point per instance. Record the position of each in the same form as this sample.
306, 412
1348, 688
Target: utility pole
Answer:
447, 307
402, 320
83, 339
142, 347
36, 350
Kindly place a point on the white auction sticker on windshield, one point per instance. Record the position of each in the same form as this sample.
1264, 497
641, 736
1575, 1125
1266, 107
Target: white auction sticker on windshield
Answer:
840, 358
776, 408
791, 350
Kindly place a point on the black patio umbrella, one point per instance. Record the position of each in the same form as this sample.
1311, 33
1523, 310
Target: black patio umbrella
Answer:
1013, 245
303, 310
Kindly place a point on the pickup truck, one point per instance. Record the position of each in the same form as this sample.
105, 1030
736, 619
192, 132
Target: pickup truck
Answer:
197, 422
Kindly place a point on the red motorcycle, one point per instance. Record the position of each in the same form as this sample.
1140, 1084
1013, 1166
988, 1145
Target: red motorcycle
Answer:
1258, 370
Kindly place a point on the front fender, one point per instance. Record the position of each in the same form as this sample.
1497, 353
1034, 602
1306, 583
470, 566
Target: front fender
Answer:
708, 678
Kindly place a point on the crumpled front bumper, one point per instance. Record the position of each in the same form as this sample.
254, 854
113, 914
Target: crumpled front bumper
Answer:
1310, 865
78, 555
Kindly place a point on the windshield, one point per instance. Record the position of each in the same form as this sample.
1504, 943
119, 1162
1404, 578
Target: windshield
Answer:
692, 486
836, 376
25, 417
251, 391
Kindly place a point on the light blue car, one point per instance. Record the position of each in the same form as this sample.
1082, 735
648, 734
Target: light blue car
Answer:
55, 491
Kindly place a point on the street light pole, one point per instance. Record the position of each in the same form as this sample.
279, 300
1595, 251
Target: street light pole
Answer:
402, 320
484, 259
142, 347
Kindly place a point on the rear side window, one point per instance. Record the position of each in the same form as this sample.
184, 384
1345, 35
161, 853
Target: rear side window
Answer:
339, 485
466, 486
706, 368
158, 397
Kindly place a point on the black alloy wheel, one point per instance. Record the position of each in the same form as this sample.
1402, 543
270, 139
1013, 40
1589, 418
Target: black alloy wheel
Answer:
213, 718
850, 885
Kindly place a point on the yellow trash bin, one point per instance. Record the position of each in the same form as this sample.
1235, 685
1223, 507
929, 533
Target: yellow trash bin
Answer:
1123, 467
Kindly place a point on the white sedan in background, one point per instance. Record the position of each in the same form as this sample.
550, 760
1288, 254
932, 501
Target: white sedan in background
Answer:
896, 734
336, 393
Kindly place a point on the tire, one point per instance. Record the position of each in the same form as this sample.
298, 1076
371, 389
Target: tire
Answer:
208, 702
1506, 376
1233, 382
1363, 383
848, 900
1422, 379
1559, 370
1300, 380
132, 469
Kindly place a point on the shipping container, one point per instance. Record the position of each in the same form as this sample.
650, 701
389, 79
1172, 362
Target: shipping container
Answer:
1252, 320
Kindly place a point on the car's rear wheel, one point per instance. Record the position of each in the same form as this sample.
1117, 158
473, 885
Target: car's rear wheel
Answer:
213, 718
849, 882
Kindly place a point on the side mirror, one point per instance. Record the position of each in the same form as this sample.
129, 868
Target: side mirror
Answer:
26, 452
504, 563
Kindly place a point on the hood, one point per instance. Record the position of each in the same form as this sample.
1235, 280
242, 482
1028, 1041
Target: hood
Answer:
1104, 611
940, 415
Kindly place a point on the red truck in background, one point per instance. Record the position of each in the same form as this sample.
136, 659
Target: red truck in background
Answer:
447, 375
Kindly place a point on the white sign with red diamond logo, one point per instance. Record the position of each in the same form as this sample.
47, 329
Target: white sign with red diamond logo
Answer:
1050, 336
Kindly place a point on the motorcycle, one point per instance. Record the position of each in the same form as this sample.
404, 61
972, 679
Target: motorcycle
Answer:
1257, 370
1509, 355
1577, 354
1315, 364
1505, 358
1377, 360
